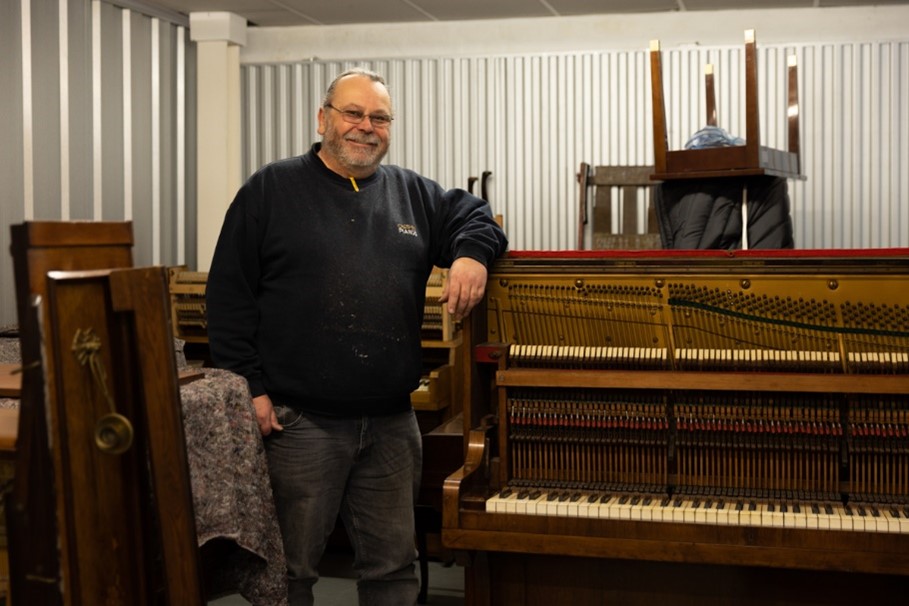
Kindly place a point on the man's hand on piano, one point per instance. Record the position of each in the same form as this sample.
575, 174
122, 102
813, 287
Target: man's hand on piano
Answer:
265, 415
465, 286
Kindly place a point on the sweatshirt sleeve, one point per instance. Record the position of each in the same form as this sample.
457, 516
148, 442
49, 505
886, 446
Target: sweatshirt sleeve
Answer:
469, 230
231, 289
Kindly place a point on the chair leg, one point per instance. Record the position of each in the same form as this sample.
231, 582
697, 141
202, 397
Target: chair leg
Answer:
423, 523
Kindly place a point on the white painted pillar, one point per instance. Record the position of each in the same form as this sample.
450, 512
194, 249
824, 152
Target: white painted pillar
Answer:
218, 37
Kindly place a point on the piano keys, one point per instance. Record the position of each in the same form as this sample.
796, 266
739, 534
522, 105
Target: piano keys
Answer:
741, 416
649, 507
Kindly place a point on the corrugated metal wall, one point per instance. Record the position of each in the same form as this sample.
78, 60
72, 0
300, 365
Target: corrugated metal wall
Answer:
532, 119
98, 106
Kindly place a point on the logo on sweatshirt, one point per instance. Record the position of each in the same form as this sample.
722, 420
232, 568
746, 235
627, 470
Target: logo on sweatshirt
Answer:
407, 229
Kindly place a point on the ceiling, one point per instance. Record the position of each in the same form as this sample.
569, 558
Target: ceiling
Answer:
270, 13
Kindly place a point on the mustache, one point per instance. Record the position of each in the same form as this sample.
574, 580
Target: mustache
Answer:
366, 140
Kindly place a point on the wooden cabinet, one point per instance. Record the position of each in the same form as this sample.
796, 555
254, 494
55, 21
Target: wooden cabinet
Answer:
438, 397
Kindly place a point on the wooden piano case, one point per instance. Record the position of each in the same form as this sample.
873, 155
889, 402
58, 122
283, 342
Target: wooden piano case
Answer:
100, 511
694, 379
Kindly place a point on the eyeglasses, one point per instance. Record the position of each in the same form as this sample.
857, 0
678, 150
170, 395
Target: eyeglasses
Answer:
353, 116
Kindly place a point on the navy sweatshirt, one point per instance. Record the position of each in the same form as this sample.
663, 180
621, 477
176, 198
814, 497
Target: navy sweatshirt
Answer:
316, 290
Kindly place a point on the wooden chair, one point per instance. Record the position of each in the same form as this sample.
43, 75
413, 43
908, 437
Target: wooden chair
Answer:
101, 509
633, 186
749, 159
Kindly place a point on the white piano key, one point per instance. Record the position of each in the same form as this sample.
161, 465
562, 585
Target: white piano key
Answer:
900, 518
726, 513
562, 504
648, 507
605, 506
813, 515
771, 515
527, 502
750, 515
496, 503
800, 513
574, 503
587, 506
787, 514
624, 507
636, 507
841, 518
549, 504
661, 510
865, 518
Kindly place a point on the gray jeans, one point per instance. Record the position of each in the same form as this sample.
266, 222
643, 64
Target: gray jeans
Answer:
368, 471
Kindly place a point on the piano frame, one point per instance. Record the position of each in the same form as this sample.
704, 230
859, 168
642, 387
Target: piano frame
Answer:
530, 559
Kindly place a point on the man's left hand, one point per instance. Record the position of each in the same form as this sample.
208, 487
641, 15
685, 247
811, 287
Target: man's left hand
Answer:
465, 286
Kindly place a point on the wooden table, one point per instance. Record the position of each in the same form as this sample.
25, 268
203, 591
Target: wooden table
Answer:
10, 380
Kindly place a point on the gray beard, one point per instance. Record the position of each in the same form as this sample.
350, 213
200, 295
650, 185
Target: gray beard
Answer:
333, 143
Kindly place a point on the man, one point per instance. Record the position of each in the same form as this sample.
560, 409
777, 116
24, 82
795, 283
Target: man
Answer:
315, 295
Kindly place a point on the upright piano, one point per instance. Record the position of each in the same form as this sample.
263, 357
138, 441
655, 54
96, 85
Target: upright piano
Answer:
695, 427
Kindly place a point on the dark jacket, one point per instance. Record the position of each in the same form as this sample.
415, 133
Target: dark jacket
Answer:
707, 213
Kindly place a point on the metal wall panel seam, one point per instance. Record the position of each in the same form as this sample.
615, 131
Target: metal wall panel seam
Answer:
127, 117
28, 151
180, 151
156, 139
63, 17
97, 159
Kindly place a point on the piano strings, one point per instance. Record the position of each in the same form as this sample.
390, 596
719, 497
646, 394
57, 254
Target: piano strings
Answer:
779, 453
